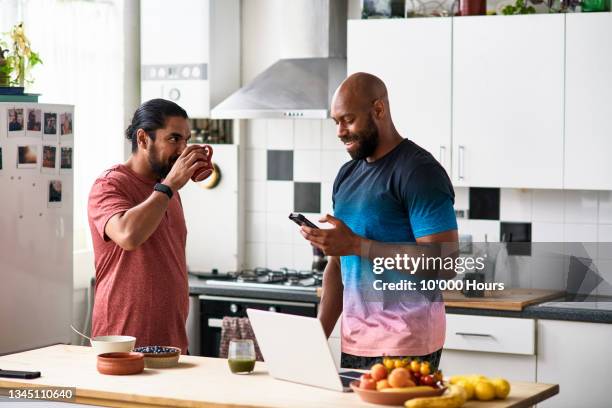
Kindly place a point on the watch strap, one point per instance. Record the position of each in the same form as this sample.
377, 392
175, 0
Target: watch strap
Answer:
162, 188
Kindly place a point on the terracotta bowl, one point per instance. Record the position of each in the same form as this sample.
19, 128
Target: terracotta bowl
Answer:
162, 360
120, 363
392, 398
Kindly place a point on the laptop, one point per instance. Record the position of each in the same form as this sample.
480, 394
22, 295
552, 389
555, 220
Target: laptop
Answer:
295, 349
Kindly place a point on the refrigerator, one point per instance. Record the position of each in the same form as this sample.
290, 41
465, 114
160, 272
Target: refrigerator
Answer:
36, 224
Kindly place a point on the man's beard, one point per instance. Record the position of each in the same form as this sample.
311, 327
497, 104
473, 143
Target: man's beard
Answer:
159, 168
366, 140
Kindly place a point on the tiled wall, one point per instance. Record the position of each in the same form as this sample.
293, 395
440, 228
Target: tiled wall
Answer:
291, 166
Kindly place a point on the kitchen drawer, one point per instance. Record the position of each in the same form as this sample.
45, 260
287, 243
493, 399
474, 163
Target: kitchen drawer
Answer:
490, 334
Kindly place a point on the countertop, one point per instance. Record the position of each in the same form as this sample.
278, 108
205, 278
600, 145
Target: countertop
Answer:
597, 310
200, 382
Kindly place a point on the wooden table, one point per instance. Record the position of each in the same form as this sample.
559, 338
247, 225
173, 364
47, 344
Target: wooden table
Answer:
199, 382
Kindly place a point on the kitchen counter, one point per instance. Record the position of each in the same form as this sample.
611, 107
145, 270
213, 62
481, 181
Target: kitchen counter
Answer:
199, 382
598, 310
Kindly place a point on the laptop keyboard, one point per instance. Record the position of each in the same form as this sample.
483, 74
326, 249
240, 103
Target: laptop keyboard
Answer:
347, 376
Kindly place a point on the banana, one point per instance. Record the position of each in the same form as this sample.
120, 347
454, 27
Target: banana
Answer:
454, 397
415, 389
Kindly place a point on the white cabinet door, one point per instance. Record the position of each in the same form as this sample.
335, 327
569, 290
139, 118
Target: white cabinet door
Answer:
513, 367
575, 355
588, 82
413, 58
508, 101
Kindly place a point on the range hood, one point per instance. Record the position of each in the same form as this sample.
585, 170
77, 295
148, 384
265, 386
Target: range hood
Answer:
301, 85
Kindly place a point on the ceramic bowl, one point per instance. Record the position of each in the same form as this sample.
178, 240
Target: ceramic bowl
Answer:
120, 363
113, 344
167, 359
392, 398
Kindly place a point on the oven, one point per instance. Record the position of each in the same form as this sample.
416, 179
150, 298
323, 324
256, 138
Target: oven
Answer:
214, 308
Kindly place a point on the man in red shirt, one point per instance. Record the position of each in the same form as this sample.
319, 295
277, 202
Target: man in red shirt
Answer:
139, 233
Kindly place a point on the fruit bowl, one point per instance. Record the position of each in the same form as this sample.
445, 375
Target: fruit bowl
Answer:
160, 356
393, 398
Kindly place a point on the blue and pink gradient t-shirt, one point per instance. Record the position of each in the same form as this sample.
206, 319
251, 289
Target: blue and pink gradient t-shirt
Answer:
400, 197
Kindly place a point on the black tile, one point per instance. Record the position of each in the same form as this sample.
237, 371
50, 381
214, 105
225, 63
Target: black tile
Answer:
518, 237
484, 203
307, 197
280, 165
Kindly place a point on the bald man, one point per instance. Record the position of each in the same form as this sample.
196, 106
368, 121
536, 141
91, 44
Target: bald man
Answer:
392, 191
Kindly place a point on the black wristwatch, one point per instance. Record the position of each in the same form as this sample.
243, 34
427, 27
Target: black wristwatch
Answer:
162, 188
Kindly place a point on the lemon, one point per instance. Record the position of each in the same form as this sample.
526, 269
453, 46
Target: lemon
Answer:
502, 387
468, 387
456, 378
484, 391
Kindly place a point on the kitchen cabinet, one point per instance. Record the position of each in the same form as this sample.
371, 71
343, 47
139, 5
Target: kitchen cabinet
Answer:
575, 355
491, 346
413, 58
508, 101
588, 95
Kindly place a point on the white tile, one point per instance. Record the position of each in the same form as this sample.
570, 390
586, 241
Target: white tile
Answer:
255, 226
515, 205
279, 228
331, 161
256, 165
462, 198
326, 198
302, 256
480, 230
580, 232
307, 134
255, 255
581, 206
548, 205
521, 271
604, 239
605, 271
279, 255
307, 165
257, 132
605, 207
547, 232
280, 134
279, 196
548, 273
581, 240
255, 196
329, 136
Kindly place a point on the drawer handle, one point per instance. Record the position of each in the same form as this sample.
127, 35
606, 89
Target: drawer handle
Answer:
474, 334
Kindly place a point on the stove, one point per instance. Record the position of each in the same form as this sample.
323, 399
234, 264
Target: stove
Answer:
264, 278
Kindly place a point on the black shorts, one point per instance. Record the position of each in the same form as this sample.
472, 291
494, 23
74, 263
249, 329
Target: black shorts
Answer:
359, 362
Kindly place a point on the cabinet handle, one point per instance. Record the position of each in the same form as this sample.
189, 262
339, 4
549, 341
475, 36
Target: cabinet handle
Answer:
474, 334
461, 162
442, 154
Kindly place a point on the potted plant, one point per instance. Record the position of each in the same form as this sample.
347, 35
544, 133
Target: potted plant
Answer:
17, 60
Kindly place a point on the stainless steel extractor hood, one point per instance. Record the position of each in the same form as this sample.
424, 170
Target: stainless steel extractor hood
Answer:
301, 85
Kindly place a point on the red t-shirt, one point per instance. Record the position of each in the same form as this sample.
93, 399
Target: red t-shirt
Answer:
142, 293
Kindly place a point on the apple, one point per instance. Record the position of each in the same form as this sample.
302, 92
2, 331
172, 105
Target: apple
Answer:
382, 384
399, 378
367, 383
378, 372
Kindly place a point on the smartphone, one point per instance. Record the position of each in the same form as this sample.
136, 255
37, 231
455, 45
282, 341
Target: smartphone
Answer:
300, 220
19, 374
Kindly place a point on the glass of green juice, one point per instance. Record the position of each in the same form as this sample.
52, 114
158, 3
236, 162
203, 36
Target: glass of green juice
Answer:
241, 356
